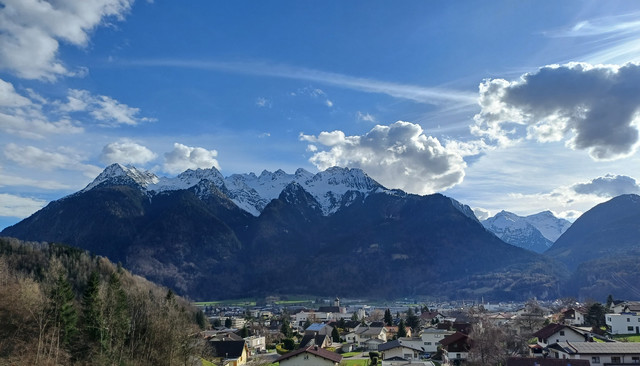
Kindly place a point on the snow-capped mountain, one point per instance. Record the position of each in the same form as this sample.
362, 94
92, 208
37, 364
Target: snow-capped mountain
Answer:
549, 225
535, 232
333, 188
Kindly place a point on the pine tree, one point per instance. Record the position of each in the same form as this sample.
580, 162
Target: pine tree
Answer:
116, 318
92, 309
64, 314
388, 319
402, 330
335, 335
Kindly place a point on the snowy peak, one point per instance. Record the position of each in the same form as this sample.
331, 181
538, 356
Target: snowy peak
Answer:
516, 230
117, 174
331, 189
550, 226
328, 188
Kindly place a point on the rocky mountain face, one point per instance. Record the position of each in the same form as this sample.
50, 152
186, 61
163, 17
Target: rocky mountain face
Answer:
535, 232
337, 232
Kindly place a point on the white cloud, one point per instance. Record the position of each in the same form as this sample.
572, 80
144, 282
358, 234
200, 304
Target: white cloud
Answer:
30, 31
365, 117
608, 186
481, 213
398, 156
421, 94
328, 103
34, 157
184, 157
263, 102
20, 207
593, 108
103, 108
22, 116
126, 152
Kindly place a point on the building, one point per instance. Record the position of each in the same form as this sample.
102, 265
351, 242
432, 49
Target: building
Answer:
534, 361
605, 354
310, 356
397, 348
455, 348
431, 338
624, 323
230, 352
556, 333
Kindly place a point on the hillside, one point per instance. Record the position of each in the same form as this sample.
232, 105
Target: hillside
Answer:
62, 305
608, 230
337, 232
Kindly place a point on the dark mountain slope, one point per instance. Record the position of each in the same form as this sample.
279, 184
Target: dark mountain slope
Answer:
610, 229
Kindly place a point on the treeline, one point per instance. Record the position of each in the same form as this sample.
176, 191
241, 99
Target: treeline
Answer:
62, 306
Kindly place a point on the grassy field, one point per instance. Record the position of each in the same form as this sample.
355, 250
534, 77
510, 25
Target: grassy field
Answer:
627, 337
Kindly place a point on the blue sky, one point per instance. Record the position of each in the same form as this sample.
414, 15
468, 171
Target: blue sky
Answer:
523, 106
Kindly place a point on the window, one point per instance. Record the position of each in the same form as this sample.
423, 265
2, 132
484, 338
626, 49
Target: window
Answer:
306, 357
628, 320
562, 332
595, 359
630, 329
615, 359
635, 359
458, 355
609, 319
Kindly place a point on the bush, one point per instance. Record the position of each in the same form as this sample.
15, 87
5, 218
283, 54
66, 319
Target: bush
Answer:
288, 343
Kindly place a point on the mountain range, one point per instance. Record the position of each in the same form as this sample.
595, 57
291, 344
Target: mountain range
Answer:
535, 232
337, 232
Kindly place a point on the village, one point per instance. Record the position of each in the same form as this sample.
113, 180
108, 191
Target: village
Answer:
563, 332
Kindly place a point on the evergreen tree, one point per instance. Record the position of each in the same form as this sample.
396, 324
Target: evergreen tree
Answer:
201, 320
388, 319
306, 324
64, 315
228, 323
609, 302
244, 332
335, 335
285, 329
116, 318
92, 309
413, 321
402, 330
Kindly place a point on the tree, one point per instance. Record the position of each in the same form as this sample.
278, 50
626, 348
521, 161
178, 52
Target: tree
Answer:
92, 309
65, 317
595, 316
609, 302
306, 324
289, 344
228, 323
413, 321
402, 329
244, 332
335, 335
388, 319
285, 329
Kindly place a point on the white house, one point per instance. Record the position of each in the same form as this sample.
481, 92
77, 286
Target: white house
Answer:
256, 343
573, 317
556, 333
624, 323
606, 354
362, 333
397, 348
431, 338
310, 356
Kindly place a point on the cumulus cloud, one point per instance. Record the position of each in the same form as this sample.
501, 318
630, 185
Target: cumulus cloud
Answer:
481, 213
608, 186
34, 157
398, 156
20, 207
103, 108
593, 108
184, 157
126, 152
30, 32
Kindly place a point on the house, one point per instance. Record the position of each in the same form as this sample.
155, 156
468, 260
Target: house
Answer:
310, 356
256, 343
623, 323
431, 338
625, 306
606, 354
535, 361
399, 361
455, 348
363, 333
230, 352
311, 339
573, 316
398, 348
555, 333
431, 317
319, 328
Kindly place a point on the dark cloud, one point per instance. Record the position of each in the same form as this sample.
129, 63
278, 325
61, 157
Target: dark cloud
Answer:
608, 186
592, 108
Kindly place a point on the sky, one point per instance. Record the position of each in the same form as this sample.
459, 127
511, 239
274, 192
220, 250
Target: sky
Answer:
521, 106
